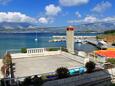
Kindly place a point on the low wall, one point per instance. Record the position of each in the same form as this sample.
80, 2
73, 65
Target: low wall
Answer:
27, 55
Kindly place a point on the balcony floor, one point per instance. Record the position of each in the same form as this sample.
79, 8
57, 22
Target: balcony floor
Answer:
43, 64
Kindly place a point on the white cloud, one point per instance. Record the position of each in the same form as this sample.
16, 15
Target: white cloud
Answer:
109, 19
4, 2
52, 10
78, 14
15, 17
50, 19
73, 2
87, 19
92, 19
43, 20
101, 7
46, 20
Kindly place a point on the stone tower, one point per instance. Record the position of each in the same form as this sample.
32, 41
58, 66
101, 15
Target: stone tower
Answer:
70, 39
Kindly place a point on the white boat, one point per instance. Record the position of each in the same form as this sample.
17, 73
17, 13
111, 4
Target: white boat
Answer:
81, 41
78, 41
36, 39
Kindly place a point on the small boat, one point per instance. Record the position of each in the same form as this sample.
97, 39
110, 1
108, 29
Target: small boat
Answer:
80, 41
36, 39
56, 40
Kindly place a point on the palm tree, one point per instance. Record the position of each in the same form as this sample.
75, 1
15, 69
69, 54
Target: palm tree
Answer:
5, 70
7, 67
7, 59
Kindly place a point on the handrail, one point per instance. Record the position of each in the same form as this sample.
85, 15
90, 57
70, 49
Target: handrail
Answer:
92, 76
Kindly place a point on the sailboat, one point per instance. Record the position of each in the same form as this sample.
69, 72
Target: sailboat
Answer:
36, 39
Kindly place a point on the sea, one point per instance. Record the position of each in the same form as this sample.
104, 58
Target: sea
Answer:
10, 41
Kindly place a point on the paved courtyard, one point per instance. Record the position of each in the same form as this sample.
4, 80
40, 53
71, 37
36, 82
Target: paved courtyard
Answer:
43, 64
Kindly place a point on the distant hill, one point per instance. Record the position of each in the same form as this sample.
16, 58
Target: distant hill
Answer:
99, 26
15, 25
89, 27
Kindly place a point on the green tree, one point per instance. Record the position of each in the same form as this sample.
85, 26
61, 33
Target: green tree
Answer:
111, 60
90, 66
23, 50
62, 72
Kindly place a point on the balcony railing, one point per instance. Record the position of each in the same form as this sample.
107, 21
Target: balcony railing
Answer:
92, 78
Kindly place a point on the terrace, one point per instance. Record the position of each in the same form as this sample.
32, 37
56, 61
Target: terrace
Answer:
40, 60
43, 63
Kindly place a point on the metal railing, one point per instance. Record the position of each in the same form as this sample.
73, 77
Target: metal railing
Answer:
12, 81
81, 79
98, 75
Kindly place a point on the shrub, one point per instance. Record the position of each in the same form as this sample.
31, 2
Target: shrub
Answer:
111, 60
99, 36
64, 49
62, 72
23, 50
110, 32
53, 49
90, 66
27, 81
37, 81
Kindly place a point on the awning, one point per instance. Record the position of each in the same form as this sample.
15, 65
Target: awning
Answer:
106, 53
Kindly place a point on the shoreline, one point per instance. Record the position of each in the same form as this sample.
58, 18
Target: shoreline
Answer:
49, 32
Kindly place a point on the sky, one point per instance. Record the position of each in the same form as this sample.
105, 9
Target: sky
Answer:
57, 12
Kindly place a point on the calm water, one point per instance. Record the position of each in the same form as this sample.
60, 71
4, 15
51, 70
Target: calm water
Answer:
26, 40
